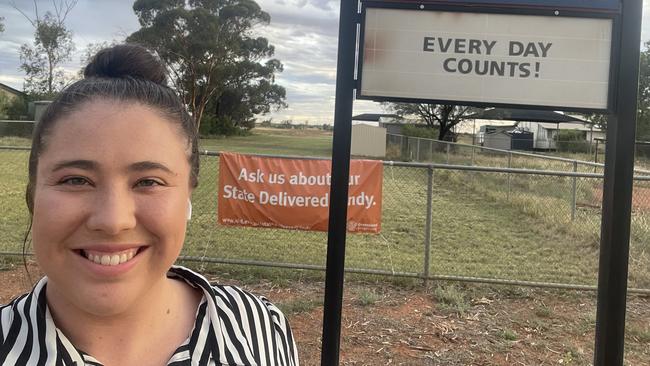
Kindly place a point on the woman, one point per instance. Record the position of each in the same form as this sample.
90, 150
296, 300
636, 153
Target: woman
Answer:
113, 164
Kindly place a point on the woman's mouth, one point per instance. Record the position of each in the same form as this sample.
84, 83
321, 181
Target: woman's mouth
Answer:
110, 258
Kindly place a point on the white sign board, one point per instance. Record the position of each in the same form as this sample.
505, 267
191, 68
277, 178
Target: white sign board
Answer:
486, 58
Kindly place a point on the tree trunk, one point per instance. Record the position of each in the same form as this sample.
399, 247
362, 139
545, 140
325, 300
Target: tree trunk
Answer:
198, 114
50, 76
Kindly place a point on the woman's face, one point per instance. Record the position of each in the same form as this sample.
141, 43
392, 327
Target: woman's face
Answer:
110, 205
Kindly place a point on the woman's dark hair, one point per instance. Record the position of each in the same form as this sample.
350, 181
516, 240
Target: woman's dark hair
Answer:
126, 73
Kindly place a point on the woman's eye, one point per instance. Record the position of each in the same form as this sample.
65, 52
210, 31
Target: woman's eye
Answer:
74, 181
148, 183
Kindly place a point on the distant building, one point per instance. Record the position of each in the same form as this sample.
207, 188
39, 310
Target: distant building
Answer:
546, 133
543, 134
391, 122
10, 94
368, 141
506, 138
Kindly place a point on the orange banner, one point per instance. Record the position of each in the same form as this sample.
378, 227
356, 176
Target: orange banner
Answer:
295, 193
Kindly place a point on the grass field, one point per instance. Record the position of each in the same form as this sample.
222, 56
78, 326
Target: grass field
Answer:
478, 228
307, 142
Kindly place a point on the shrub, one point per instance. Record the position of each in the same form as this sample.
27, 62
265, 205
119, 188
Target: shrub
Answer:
420, 131
221, 126
572, 141
18, 129
13, 108
451, 299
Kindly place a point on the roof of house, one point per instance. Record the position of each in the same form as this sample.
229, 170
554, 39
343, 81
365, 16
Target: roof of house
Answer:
11, 90
579, 126
374, 117
527, 115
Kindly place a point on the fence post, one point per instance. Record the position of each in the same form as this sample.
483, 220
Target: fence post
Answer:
417, 152
427, 226
573, 192
472, 155
448, 145
509, 166
596, 157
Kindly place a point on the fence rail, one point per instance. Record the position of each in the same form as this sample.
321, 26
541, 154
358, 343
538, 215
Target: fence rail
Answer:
499, 225
422, 150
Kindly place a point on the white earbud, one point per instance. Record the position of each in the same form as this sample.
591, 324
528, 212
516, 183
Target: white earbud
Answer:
189, 210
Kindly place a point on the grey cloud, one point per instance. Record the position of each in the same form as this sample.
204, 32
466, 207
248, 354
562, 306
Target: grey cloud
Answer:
319, 25
300, 3
322, 4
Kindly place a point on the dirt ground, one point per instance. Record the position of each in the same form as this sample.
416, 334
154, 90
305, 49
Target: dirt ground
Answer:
640, 199
443, 324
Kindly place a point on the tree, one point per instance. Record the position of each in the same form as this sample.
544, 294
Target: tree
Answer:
443, 116
240, 101
52, 46
12, 108
643, 101
213, 55
643, 105
598, 119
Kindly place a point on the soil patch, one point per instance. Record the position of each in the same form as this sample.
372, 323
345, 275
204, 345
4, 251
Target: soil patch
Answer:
640, 198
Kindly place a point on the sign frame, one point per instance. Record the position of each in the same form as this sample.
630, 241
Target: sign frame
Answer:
618, 175
508, 9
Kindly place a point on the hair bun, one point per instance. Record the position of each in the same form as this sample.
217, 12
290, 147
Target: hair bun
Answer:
126, 60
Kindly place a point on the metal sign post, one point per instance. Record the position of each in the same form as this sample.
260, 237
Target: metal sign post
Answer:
617, 195
339, 188
613, 24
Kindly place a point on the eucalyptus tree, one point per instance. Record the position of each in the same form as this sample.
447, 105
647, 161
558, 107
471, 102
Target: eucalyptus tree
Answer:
442, 116
42, 60
214, 54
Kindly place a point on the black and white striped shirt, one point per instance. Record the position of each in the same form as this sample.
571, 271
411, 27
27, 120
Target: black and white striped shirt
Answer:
233, 327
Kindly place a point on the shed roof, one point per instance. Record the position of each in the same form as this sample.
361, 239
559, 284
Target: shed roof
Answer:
374, 117
11, 90
527, 115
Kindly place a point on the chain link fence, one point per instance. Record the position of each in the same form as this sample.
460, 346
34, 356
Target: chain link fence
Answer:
439, 221
584, 156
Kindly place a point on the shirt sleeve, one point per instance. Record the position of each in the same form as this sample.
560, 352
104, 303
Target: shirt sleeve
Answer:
287, 352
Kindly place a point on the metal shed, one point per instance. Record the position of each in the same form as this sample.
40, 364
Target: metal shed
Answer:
368, 141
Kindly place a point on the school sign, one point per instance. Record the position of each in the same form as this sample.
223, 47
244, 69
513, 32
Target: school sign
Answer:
533, 58
571, 55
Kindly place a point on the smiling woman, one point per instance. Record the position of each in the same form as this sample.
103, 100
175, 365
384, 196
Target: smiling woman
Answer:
113, 165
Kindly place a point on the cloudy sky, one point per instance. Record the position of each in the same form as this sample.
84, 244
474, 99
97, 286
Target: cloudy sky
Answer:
304, 33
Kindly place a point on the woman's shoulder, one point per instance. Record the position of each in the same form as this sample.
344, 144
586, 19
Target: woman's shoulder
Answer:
244, 318
14, 315
230, 297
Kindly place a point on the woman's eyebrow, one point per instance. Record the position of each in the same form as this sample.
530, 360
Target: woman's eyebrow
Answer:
80, 164
149, 165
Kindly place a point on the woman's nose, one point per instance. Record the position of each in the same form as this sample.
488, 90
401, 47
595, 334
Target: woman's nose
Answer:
113, 212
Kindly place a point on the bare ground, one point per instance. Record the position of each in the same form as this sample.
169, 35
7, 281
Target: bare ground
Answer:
640, 199
407, 324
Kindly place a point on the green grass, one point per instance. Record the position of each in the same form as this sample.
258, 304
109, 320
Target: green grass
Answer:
543, 311
640, 334
368, 297
508, 335
297, 306
15, 141
477, 229
309, 142
451, 299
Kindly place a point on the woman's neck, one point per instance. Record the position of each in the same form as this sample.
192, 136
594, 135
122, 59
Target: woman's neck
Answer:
147, 334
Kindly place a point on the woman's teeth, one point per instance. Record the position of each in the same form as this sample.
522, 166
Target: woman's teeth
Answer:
111, 259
